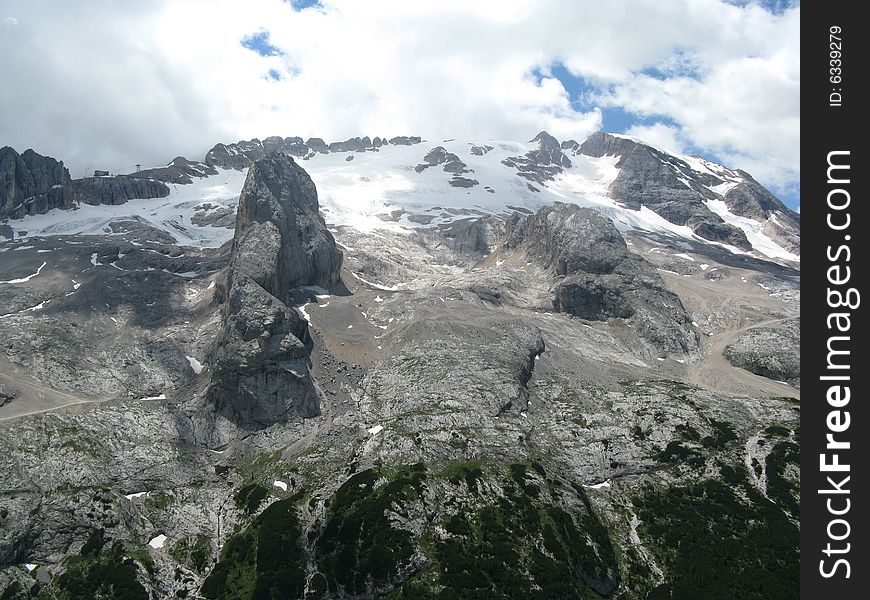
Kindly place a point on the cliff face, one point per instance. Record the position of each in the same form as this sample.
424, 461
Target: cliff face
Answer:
31, 183
115, 190
261, 361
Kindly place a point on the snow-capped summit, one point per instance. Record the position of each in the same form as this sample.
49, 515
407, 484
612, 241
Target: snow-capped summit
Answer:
406, 183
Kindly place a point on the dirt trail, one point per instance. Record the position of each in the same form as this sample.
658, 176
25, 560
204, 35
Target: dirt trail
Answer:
740, 308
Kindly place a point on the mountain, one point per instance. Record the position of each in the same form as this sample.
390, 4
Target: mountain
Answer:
32, 184
408, 369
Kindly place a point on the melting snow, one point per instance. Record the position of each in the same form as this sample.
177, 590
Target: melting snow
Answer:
157, 542
195, 364
760, 241
598, 486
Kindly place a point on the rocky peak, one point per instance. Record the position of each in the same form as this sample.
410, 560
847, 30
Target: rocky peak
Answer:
665, 184
549, 151
261, 374
31, 183
280, 197
542, 164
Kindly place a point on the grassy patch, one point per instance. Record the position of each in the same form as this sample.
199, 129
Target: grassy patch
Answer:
102, 573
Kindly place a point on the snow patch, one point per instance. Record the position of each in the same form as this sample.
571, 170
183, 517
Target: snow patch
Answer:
157, 542
376, 429
598, 486
195, 364
280, 485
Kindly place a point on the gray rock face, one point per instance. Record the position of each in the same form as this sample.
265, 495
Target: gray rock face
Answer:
664, 184
180, 171
440, 156
261, 359
750, 199
404, 140
116, 190
476, 236
278, 195
317, 145
31, 183
261, 367
353, 144
403, 385
480, 150
598, 278
243, 154
238, 156
543, 164
772, 352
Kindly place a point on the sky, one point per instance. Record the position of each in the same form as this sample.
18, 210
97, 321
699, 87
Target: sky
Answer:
105, 84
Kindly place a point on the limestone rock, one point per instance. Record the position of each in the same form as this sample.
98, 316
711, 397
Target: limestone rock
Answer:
598, 278
31, 183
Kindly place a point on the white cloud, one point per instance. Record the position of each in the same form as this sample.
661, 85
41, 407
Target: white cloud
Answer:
665, 137
103, 84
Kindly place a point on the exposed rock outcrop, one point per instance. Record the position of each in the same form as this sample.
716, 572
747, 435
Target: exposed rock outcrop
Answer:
598, 278
665, 184
451, 164
238, 156
31, 183
115, 190
261, 361
542, 164
405, 140
180, 171
772, 352
750, 199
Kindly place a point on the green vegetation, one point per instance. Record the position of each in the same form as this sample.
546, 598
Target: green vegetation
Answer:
359, 546
13, 591
99, 573
518, 546
194, 551
779, 489
264, 562
250, 497
716, 545
723, 433
159, 501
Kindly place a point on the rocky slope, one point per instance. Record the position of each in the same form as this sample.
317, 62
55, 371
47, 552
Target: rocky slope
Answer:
493, 400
